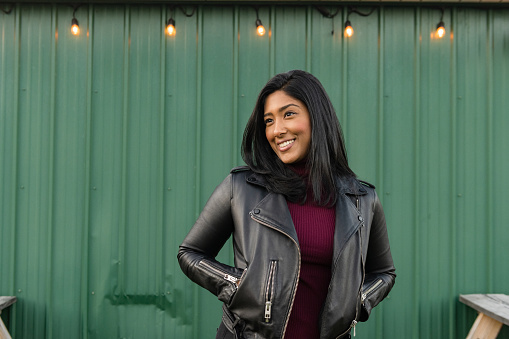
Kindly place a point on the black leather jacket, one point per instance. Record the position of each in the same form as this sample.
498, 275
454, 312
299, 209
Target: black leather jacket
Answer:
267, 257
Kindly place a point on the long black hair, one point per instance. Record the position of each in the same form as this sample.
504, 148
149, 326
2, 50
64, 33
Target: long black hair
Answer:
327, 157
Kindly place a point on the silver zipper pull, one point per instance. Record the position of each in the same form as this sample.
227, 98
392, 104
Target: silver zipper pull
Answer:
363, 297
268, 307
231, 278
353, 324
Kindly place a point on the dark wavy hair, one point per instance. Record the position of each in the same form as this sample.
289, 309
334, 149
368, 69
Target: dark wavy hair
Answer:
327, 157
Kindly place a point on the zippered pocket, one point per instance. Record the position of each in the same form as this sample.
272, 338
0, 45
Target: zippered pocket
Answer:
371, 289
269, 290
219, 273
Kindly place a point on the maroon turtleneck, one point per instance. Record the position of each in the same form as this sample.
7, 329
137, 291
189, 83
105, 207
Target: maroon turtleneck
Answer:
315, 231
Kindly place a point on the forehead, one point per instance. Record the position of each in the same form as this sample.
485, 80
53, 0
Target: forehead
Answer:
280, 100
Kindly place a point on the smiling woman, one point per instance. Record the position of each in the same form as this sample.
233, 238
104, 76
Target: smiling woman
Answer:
302, 225
288, 127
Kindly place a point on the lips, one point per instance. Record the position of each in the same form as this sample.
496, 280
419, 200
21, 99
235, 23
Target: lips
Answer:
285, 145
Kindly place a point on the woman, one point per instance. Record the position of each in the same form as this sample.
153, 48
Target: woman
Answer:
312, 255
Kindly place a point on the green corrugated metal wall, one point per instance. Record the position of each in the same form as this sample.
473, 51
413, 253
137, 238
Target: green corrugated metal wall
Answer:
111, 142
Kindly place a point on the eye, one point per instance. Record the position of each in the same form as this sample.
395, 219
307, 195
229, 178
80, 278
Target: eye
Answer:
289, 113
268, 121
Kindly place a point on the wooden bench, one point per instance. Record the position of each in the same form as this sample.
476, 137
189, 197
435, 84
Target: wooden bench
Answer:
493, 313
4, 303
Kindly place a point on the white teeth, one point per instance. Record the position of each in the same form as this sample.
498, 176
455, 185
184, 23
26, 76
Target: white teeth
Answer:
286, 143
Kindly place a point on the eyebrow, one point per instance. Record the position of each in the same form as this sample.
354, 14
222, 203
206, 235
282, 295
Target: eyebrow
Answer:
281, 109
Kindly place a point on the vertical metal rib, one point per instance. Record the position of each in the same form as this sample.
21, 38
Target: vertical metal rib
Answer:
51, 173
309, 21
86, 217
199, 66
453, 173
344, 80
235, 100
380, 135
380, 125
160, 175
417, 174
489, 151
272, 41
122, 226
14, 181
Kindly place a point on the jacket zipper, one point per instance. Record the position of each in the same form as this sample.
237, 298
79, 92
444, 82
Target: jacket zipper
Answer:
269, 291
298, 271
363, 268
354, 321
371, 289
220, 273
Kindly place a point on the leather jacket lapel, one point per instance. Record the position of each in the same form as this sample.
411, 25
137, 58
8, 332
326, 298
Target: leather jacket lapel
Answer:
348, 215
347, 223
273, 211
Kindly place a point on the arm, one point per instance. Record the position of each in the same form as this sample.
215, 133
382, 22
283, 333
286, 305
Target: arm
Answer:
380, 271
202, 244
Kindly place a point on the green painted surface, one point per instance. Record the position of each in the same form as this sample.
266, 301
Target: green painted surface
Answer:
112, 141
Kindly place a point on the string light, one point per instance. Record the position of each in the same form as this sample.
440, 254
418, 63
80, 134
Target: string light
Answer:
348, 29
440, 30
75, 27
348, 26
260, 30
170, 24
170, 27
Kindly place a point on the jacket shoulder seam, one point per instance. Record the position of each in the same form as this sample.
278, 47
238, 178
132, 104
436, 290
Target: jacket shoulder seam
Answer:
367, 184
239, 169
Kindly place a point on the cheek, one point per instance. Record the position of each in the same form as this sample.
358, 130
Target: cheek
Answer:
268, 134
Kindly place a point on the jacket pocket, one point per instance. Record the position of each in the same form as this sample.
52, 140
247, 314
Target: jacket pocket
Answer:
269, 290
225, 284
219, 273
371, 289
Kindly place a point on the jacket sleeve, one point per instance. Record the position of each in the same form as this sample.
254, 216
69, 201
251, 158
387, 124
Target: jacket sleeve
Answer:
197, 252
380, 271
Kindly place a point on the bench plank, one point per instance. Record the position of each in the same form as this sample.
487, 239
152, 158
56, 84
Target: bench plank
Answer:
6, 302
495, 306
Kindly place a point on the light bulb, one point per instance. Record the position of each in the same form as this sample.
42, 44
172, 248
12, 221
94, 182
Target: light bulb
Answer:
170, 27
75, 28
260, 30
440, 30
348, 29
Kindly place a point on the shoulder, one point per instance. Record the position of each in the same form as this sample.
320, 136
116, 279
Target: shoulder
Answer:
367, 184
352, 185
245, 175
240, 169
240, 174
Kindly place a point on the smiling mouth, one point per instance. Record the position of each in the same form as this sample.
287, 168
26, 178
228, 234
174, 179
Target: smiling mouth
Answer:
285, 144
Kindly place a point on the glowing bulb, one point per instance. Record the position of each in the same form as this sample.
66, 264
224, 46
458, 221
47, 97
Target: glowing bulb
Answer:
170, 30
170, 27
260, 30
348, 29
440, 30
75, 28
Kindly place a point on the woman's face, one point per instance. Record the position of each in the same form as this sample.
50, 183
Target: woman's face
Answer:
287, 127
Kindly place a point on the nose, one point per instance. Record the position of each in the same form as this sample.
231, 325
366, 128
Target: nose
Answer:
279, 127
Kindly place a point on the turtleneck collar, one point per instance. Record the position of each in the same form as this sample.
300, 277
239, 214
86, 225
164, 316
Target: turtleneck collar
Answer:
300, 168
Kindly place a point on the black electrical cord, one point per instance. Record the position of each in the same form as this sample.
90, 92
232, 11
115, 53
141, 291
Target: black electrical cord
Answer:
8, 11
328, 14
